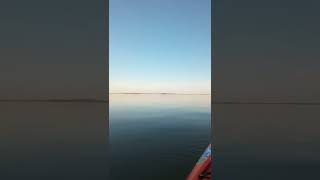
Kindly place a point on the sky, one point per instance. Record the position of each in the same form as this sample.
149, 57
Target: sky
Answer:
160, 46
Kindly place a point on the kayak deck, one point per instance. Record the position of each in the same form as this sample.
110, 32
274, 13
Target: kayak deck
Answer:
202, 169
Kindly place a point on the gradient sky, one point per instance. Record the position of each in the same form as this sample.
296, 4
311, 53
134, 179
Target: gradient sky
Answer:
160, 46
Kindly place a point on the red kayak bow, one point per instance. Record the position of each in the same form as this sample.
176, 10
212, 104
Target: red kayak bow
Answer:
202, 169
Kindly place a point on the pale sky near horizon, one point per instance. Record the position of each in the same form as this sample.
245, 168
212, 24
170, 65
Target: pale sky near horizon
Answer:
160, 46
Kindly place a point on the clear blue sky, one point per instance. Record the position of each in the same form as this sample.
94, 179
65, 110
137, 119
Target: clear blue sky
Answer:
160, 46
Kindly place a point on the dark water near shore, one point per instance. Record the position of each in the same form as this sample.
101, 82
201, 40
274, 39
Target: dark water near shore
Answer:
266, 141
157, 136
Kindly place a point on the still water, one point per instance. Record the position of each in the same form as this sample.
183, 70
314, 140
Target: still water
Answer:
157, 136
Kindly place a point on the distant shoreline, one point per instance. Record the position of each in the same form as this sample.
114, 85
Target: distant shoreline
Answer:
165, 93
106, 101
88, 100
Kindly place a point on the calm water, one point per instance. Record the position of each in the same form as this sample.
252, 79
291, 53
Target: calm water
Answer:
157, 136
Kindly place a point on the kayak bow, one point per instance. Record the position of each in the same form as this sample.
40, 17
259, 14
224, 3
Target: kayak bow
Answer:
202, 169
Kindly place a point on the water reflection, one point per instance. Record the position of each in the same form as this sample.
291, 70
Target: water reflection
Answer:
157, 136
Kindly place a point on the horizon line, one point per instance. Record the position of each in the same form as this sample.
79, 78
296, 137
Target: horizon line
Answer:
106, 101
75, 100
160, 93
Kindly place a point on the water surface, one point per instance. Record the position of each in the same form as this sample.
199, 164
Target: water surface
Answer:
154, 136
